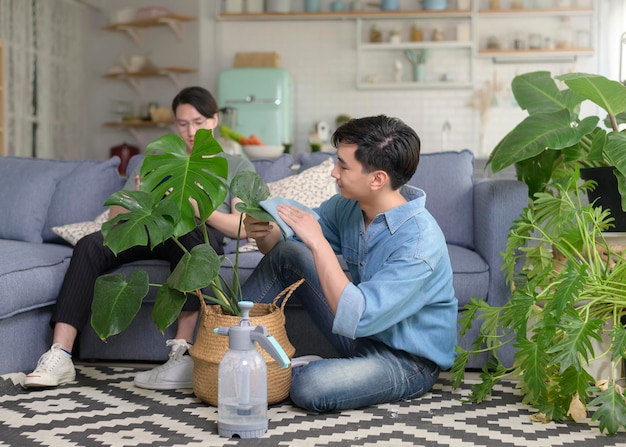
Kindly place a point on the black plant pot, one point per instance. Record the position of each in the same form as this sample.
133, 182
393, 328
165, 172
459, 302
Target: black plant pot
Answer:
606, 194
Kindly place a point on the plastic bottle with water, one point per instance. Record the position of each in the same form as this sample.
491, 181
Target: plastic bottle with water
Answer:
242, 378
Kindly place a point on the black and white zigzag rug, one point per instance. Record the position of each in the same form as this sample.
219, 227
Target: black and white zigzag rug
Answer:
103, 408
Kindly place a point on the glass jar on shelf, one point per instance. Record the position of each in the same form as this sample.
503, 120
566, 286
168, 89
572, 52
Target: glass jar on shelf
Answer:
565, 36
395, 36
416, 33
376, 34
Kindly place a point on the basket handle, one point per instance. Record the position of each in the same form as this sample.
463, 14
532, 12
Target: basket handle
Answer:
287, 292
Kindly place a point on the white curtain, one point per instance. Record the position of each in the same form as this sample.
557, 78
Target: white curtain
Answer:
45, 77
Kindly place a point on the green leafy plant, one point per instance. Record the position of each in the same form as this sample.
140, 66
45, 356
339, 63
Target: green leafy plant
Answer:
569, 293
170, 180
554, 135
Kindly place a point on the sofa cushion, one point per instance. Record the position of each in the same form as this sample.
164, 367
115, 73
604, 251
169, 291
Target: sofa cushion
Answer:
27, 186
308, 160
447, 178
73, 233
31, 275
310, 187
80, 194
272, 170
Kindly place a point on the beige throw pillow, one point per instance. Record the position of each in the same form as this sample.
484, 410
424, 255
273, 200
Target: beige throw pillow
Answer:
72, 233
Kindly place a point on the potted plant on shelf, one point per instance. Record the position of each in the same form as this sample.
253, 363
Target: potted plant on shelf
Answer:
568, 295
555, 136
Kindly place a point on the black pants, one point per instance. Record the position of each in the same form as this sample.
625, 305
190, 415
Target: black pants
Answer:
92, 259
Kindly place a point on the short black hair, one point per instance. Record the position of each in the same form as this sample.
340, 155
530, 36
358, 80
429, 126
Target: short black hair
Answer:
200, 98
383, 143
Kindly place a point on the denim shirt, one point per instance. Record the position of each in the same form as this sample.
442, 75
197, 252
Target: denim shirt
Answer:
401, 292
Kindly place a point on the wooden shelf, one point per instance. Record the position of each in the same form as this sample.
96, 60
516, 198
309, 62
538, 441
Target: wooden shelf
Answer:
536, 12
385, 46
133, 78
413, 85
343, 15
136, 128
132, 29
138, 123
517, 56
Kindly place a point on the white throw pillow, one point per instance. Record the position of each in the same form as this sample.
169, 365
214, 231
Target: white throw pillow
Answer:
310, 187
72, 233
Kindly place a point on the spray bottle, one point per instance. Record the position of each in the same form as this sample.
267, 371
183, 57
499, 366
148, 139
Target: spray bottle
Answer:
242, 378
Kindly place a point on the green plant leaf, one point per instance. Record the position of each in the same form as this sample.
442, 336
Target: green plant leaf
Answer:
536, 133
615, 152
457, 372
537, 91
608, 94
576, 345
537, 171
571, 283
618, 344
201, 176
117, 301
533, 361
572, 382
611, 412
196, 269
249, 187
252, 190
144, 217
167, 306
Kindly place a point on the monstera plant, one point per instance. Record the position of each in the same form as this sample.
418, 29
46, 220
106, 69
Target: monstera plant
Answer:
162, 209
556, 135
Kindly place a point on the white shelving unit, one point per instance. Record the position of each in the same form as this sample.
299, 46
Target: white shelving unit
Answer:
544, 24
451, 62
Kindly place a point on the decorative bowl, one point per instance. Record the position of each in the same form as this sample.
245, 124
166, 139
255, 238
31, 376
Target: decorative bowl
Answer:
256, 151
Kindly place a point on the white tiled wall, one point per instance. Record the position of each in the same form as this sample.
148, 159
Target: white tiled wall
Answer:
321, 57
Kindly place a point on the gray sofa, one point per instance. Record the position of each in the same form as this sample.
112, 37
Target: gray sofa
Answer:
474, 214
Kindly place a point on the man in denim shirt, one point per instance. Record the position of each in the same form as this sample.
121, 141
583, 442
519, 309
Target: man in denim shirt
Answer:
394, 320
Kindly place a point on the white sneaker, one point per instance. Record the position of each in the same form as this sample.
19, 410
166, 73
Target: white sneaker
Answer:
176, 373
53, 368
304, 360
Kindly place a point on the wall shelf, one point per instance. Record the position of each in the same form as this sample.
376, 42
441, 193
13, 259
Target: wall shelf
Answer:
136, 127
551, 12
345, 15
133, 78
132, 29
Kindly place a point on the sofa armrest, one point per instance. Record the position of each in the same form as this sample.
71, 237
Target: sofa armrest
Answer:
497, 203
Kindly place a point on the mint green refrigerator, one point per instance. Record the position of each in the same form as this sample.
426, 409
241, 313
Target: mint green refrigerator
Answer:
264, 102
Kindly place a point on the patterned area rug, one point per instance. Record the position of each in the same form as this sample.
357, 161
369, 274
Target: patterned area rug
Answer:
103, 408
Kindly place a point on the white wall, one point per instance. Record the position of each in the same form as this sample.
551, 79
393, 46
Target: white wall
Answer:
163, 49
321, 57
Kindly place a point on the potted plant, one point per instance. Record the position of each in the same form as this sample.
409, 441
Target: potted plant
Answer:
162, 210
556, 136
569, 294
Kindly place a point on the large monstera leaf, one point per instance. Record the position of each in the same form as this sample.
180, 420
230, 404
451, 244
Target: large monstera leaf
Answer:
200, 176
117, 301
145, 217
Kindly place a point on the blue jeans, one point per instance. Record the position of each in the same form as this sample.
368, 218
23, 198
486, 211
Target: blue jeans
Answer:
368, 373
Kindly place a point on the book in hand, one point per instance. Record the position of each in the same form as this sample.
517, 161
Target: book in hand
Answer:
271, 206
